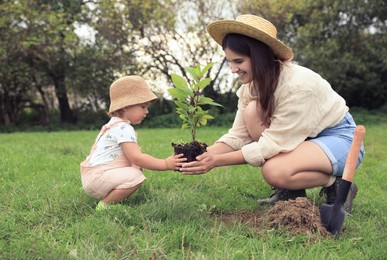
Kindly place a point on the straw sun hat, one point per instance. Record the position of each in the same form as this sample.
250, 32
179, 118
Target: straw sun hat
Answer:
254, 27
129, 90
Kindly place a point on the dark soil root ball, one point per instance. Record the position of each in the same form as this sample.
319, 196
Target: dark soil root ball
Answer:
190, 150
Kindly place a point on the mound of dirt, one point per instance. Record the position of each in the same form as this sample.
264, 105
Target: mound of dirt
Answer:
297, 216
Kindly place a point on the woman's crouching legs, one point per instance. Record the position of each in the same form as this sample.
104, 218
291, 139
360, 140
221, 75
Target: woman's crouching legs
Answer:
306, 166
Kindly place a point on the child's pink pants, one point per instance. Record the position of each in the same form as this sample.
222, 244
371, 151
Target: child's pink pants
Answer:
98, 181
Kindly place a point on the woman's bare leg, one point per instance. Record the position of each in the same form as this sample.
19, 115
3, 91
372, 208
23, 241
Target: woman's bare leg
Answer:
305, 167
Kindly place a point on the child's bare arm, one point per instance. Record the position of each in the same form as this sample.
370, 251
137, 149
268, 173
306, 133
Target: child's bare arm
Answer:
133, 152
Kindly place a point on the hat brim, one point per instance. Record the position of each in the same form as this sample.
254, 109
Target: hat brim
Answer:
124, 102
219, 29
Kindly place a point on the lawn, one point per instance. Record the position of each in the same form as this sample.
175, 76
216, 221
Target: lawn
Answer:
44, 213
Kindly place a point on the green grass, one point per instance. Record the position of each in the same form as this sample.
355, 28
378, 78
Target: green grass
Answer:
44, 213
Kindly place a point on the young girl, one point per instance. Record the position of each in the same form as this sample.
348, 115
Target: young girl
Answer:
113, 170
289, 121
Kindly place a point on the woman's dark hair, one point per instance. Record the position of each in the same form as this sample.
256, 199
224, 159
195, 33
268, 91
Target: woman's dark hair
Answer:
266, 69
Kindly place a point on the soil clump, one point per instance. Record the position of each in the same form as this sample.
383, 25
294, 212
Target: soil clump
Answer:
296, 217
190, 150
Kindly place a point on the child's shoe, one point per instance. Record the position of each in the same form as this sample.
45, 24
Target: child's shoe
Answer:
101, 206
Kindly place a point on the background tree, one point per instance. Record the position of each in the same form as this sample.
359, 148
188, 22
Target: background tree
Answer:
46, 64
51, 43
19, 77
345, 41
11, 92
106, 56
185, 41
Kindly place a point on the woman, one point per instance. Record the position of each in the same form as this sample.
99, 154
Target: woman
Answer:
289, 121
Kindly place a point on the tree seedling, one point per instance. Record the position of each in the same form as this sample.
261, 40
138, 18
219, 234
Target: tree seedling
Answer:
189, 99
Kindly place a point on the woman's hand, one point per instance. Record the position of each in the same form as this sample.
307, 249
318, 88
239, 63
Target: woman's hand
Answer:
203, 164
174, 162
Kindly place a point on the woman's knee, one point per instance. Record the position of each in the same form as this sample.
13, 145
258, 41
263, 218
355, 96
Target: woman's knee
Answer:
274, 174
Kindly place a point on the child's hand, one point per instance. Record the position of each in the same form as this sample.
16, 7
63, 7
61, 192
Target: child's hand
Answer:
174, 162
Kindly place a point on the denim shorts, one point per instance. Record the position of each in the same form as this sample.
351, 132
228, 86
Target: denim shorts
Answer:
336, 141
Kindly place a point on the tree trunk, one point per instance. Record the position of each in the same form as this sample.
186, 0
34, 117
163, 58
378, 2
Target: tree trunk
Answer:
4, 116
66, 114
45, 113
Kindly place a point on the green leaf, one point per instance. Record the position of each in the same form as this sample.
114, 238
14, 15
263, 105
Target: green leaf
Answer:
208, 116
196, 89
195, 72
207, 101
177, 93
207, 67
179, 82
182, 104
204, 83
203, 121
181, 111
189, 92
183, 117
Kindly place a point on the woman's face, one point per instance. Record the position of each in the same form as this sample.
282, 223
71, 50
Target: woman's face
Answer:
239, 64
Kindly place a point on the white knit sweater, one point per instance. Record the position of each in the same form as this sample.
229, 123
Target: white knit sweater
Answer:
305, 104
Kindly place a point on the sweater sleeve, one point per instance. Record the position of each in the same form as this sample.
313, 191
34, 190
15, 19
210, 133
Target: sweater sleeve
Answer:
237, 136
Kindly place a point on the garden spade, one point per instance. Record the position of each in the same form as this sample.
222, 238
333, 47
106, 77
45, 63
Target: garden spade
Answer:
332, 216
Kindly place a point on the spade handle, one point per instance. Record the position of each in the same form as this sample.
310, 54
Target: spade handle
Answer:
353, 155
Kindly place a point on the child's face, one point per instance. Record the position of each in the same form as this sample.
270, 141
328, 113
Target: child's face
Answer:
136, 113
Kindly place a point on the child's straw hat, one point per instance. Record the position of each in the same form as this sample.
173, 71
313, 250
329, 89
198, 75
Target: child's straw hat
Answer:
129, 90
254, 27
